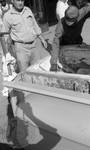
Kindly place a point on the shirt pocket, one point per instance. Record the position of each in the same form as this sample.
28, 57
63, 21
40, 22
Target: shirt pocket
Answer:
29, 20
17, 25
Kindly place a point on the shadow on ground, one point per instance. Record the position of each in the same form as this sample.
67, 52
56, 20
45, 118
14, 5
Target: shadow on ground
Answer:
49, 141
20, 132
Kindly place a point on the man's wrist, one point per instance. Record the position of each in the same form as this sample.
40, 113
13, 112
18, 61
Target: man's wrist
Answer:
53, 60
41, 37
54, 67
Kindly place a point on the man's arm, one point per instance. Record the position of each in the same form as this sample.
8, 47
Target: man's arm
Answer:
56, 43
35, 24
4, 47
6, 21
84, 11
3, 34
38, 30
6, 42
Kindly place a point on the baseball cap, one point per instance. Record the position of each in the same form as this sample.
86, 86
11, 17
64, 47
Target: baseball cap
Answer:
71, 13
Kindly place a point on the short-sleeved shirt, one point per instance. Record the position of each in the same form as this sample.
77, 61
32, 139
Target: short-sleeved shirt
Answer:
21, 25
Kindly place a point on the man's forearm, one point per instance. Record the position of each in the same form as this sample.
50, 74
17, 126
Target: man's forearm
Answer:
84, 11
56, 42
4, 47
55, 51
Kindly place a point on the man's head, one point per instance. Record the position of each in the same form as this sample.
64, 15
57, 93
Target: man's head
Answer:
18, 4
3, 3
71, 15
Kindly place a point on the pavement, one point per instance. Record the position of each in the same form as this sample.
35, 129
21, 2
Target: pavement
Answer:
51, 141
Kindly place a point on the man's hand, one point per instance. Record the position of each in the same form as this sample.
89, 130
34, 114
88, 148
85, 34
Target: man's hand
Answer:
54, 67
43, 41
9, 58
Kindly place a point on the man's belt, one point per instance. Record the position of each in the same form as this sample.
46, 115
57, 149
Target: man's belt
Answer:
25, 42
3, 33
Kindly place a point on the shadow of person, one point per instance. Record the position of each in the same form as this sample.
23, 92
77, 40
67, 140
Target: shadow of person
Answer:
16, 130
34, 134
49, 141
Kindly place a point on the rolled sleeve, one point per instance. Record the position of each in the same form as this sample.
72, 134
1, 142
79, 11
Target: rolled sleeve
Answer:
6, 23
36, 26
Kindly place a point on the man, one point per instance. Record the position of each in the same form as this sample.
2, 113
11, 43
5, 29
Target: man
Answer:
68, 31
25, 34
61, 6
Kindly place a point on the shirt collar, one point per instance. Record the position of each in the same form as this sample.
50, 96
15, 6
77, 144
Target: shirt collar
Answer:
66, 1
13, 11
